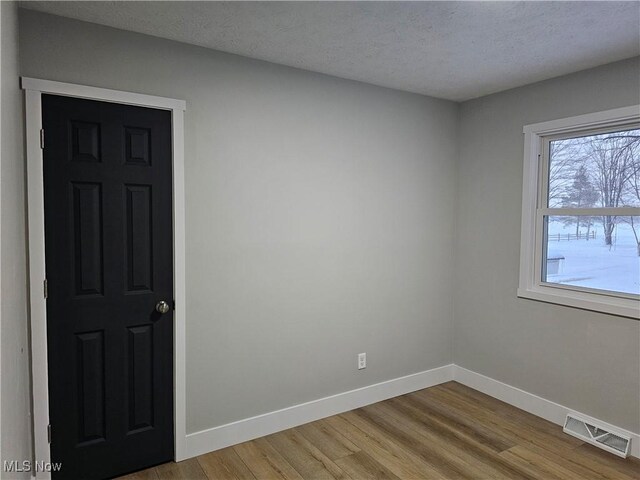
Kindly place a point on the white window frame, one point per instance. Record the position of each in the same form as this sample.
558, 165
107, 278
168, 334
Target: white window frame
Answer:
534, 210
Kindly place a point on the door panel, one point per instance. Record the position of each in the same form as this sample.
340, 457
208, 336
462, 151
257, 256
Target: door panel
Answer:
140, 378
138, 238
91, 391
87, 237
108, 241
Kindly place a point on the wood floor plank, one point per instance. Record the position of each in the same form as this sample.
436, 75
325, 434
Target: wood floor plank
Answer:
362, 467
509, 411
402, 463
308, 460
627, 466
520, 428
465, 413
148, 474
473, 431
544, 468
333, 444
448, 456
187, 469
264, 461
475, 456
577, 463
224, 464
462, 414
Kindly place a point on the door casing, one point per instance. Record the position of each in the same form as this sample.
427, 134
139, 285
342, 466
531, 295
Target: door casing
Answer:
34, 88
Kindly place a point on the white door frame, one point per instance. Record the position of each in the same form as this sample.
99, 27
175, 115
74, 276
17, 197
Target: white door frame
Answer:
34, 88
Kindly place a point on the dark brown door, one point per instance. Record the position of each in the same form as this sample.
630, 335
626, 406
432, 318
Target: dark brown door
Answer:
108, 239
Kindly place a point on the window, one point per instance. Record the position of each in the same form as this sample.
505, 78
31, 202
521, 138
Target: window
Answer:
580, 242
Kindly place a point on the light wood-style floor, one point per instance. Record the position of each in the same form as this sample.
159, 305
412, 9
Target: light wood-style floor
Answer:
444, 432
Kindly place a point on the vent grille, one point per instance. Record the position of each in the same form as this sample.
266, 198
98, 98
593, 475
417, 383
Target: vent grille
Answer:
614, 441
599, 435
576, 426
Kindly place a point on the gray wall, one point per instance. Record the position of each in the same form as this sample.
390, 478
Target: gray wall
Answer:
586, 361
16, 423
319, 219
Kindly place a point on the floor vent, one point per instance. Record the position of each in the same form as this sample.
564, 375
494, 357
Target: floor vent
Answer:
598, 435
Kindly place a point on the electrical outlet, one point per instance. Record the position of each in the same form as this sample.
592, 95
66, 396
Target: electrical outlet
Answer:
362, 361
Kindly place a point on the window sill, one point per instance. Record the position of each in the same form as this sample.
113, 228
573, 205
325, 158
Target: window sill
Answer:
622, 307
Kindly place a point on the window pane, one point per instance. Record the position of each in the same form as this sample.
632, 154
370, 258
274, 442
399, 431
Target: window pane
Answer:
595, 171
593, 252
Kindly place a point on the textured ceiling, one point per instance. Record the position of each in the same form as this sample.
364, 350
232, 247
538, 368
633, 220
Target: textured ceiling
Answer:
452, 50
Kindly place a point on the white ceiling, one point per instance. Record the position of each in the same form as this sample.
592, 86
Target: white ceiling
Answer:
452, 50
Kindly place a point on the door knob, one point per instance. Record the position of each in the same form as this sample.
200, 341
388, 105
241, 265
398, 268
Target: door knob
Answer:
162, 307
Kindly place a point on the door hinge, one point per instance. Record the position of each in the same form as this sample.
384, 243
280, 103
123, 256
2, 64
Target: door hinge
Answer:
42, 138
45, 286
49, 433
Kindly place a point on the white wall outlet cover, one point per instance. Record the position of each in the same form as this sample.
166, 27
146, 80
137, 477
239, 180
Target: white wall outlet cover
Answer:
362, 361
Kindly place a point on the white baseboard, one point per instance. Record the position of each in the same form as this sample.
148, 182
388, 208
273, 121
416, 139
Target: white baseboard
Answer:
529, 402
247, 429
243, 430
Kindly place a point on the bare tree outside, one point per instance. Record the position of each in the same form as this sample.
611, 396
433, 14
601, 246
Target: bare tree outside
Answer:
581, 194
633, 194
564, 159
613, 157
603, 166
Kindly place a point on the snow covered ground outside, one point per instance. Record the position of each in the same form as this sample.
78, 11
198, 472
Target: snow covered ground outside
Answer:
593, 264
